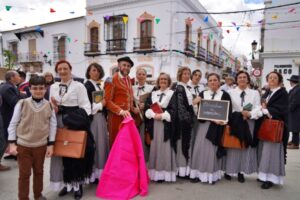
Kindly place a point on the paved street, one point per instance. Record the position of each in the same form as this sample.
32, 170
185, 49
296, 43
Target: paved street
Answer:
183, 189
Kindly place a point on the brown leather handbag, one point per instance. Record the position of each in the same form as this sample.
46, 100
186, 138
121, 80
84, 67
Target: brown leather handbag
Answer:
230, 141
70, 143
271, 130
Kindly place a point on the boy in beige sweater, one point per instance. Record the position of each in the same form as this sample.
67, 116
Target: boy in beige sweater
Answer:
32, 133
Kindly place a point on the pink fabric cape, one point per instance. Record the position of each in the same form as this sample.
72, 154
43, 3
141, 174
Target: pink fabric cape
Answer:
125, 173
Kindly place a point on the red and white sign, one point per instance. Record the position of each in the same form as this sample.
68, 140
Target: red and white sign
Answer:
256, 72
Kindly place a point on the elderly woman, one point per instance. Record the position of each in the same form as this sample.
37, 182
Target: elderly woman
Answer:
271, 168
70, 101
162, 165
182, 120
246, 110
207, 151
94, 85
140, 89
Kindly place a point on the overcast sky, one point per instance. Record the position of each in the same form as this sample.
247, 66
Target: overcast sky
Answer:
32, 12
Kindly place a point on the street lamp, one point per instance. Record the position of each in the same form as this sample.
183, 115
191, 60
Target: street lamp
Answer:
47, 61
254, 46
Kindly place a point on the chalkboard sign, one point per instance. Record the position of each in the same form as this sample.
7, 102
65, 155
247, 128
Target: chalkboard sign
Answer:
213, 110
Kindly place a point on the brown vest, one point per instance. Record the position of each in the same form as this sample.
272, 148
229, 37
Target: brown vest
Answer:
33, 128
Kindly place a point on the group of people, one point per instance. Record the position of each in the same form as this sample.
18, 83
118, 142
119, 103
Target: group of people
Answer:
176, 143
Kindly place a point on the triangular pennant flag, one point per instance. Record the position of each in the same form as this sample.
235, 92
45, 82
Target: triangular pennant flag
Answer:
49, 52
274, 16
13, 24
211, 36
107, 17
157, 20
206, 19
8, 8
52, 10
233, 23
125, 19
219, 24
69, 39
72, 12
237, 28
69, 52
204, 37
38, 29
75, 40
228, 31
291, 10
89, 12
260, 21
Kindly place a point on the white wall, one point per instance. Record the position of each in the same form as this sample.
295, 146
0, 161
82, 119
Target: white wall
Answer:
169, 33
282, 43
74, 29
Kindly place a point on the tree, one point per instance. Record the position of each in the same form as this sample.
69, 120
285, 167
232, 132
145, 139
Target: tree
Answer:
10, 59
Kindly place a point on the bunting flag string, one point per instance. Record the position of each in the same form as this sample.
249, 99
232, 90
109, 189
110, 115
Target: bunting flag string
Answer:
157, 20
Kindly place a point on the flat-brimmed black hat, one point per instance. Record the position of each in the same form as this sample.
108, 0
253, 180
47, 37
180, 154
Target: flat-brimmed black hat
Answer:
126, 59
294, 78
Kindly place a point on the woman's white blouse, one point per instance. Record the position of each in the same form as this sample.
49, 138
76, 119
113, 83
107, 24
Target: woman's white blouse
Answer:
138, 90
163, 104
76, 95
251, 96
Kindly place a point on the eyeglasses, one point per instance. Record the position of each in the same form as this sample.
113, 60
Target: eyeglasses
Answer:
37, 88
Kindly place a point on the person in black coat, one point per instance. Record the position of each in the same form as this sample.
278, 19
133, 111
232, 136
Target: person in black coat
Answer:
294, 112
272, 156
9, 95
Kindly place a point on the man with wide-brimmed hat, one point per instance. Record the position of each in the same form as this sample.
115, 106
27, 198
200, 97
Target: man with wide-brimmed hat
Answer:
294, 111
119, 97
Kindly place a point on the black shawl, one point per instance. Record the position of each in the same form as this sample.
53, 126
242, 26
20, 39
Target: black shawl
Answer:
182, 120
78, 170
90, 88
240, 128
215, 131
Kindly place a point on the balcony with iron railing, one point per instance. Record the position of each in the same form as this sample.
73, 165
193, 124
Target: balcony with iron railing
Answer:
190, 48
209, 58
30, 57
221, 62
116, 46
92, 49
144, 44
201, 53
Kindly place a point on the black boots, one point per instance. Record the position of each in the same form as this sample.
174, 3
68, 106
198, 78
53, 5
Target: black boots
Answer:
266, 185
63, 192
241, 178
78, 194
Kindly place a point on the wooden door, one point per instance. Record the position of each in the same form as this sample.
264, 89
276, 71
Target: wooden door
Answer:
146, 34
94, 35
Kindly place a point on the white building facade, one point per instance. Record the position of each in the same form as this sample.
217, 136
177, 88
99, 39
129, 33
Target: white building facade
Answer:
153, 34
281, 41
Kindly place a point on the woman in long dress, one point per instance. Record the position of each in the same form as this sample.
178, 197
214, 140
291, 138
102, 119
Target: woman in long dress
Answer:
207, 153
271, 168
246, 109
162, 165
182, 121
140, 89
70, 101
95, 85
